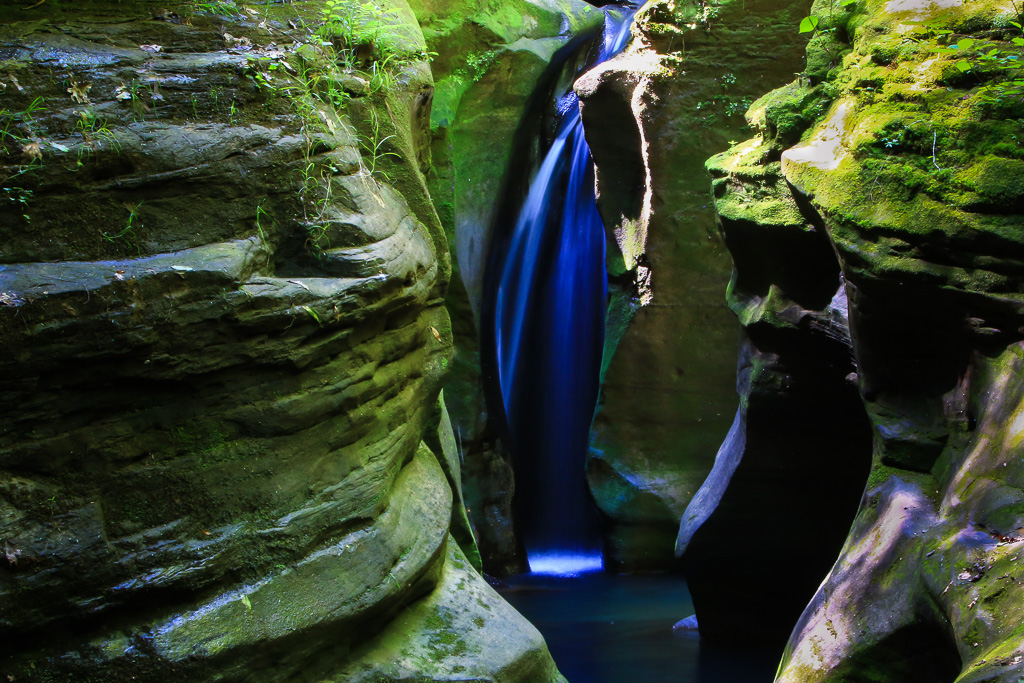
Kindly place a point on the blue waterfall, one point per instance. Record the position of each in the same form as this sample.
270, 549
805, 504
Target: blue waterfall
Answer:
549, 312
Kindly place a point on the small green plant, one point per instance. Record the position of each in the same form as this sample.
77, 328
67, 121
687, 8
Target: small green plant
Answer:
315, 195
381, 78
364, 35
20, 196
813, 24
20, 126
262, 69
1002, 64
312, 314
809, 24
14, 191
132, 93
127, 234
261, 215
374, 146
477, 64
893, 139
94, 130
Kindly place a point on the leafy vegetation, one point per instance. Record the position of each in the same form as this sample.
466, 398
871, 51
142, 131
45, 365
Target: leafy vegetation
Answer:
18, 129
127, 235
723, 103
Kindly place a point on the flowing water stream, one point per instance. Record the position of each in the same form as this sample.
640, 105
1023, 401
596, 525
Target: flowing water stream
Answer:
549, 337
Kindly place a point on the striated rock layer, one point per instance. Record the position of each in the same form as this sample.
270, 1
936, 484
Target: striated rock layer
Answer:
223, 453
901, 143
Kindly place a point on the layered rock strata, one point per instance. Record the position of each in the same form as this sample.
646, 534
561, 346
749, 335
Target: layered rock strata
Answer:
223, 455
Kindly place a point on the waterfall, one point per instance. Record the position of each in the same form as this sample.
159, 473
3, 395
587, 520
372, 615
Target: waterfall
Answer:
549, 312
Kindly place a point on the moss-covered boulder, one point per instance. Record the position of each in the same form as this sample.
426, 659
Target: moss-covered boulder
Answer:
223, 455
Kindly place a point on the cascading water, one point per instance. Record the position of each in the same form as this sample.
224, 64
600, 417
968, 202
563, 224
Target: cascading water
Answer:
549, 336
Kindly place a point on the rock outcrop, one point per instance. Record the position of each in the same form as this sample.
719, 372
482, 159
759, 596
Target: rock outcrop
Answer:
223, 454
900, 144
653, 115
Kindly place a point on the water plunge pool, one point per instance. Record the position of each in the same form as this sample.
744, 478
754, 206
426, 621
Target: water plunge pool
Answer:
604, 628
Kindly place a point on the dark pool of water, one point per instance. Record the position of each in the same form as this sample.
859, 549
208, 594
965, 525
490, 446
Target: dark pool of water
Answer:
602, 628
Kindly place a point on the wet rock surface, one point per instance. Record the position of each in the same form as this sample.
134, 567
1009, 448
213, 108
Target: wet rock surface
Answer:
222, 449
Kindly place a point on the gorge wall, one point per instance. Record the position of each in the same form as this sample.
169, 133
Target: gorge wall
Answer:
223, 449
875, 226
653, 116
224, 329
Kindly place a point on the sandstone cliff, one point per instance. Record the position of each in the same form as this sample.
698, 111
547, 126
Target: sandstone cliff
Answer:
223, 452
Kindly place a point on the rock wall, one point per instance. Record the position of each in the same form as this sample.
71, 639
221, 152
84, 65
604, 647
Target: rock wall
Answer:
653, 116
900, 144
223, 454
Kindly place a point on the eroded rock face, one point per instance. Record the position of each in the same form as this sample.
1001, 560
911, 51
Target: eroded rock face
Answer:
652, 116
913, 172
222, 450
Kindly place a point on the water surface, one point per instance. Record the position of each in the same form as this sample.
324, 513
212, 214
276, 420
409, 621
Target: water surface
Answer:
603, 628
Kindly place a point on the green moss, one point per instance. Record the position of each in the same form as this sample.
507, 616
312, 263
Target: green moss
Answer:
200, 435
785, 113
444, 639
998, 179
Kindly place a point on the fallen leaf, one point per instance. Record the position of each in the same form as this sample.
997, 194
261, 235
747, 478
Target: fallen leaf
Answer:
80, 92
238, 43
437, 335
32, 151
9, 299
151, 48
11, 554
